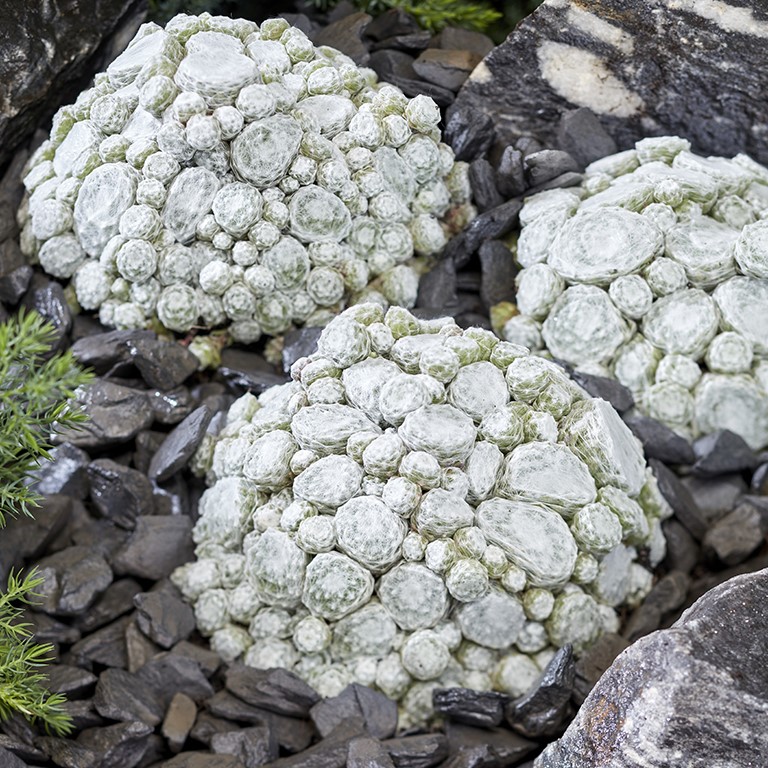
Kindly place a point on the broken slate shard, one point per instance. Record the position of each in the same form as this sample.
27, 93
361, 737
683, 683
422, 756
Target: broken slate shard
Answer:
644, 67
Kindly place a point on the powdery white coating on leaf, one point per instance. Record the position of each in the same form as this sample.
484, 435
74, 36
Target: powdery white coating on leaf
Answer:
442, 430
494, 621
326, 428
335, 586
329, 482
275, 569
413, 595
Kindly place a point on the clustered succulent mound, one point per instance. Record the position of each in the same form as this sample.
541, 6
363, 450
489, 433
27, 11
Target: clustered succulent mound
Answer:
655, 271
225, 174
421, 506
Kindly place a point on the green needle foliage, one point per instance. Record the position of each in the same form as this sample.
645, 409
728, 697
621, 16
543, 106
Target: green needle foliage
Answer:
34, 390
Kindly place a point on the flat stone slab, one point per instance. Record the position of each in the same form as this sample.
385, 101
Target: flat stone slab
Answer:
645, 67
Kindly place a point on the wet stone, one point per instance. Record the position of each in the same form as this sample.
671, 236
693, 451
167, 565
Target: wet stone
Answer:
482, 178
164, 617
301, 342
252, 746
715, 496
276, 690
437, 288
736, 536
171, 406
121, 494
594, 661
178, 721
121, 695
247, 372
504, 746
104, 646
480, 708
73, 681
510, 173
611, 390
122, 745
721, 452
14, 284
581, 135
157, 545
417, 751
659, 441
180, 444
66, 473
543, 711
74, 578
168, 673
446, 68
345, 35
365, 752
680, 499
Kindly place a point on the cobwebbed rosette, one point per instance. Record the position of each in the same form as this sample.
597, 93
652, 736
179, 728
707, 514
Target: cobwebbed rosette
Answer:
222, 174
421, 506
655, 272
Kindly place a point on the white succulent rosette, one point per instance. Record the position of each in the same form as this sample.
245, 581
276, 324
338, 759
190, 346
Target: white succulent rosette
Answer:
221, 173
421, 506
655, 272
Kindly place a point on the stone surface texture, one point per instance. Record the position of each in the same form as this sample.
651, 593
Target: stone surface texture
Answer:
645, 67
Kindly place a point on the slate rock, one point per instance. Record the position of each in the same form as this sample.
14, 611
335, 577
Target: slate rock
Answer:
164, 617
682, 550
121, 695
567, 179
47, 56
74, 577
482, 179
668, 594
109, 353
83, 714
437, 288
247, 372
47, 629
206, 725
30, 537
104, 646
200, 760
68, 753
510, 173
464, 705
581, 135
162, 364
47, 298
65, 678
378, 712
392, 23
544, 709
492, 224
497, 273
121, 494
208, 661
14, 284
415, 41
715, 496
122, 745
276, 690
66, 472
175, 496
759, 482
157, 545
138, 647
172, 405
733, 538
680, 499
178, 721
504, 746
469, 132
300, 342
169, 673
396, 67
694, 694
457, 38
659, 441
567, 55
9, 759
11, 193
365, 752
547, 164
721, 452
608, 389
345, 35
593, 663
528, 145
115, 413
480, 756
252, 746
180, 444
420, 751
446, 68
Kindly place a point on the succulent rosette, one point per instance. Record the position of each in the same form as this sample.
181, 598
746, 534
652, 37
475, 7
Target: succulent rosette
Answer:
655, 271
420, 506
225, 174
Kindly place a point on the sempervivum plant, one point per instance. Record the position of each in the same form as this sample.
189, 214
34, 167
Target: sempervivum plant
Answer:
421, 506
225, 174
655, 271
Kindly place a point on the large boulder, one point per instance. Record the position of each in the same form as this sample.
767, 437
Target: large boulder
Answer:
692, 695
48, 51
645, 67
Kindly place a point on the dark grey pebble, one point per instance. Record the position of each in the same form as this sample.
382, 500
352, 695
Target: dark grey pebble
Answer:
415, 41
121, 695
104, 646
457, 38
208, 661
680, 499
682, 550
470, 133
206, 725
659, 441
446, 68
582, 135
276, 690
567, 179
548, 164
437, 288
667, 594
48, 629
11, 256
121, 494
47, 298
67, 752
377, 711
510, 174
180, 444
200, 760
138, 647
715, 496
247, 372
365, 752
331, 752
543, 711
253, 746
722, 452
173, 496
298, 343
162, 364
163, 616
14, 284
65, 473
482, 179
479, 708
422, 751
83, 714
593, 662
73, 681
171, 406
528, 145
147, 442
396, 67
611, 390
492, 224
168, 673
505, 747
178, 721
759, 482
122, 745
346, 36
11, 746
392, 23
109, 353
156, 547
733, 538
